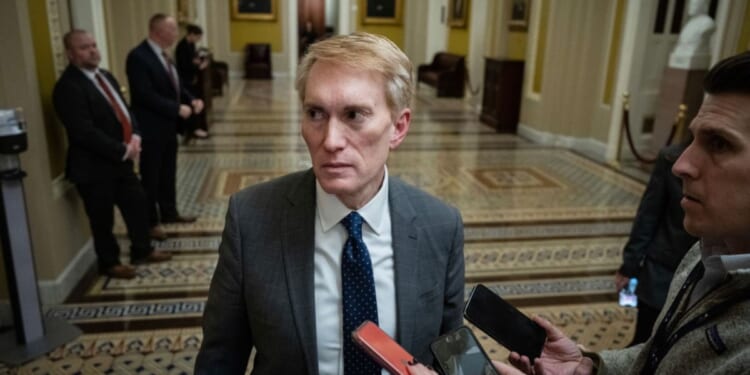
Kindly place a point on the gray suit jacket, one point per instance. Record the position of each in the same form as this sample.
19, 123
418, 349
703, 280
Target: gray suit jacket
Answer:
262, 294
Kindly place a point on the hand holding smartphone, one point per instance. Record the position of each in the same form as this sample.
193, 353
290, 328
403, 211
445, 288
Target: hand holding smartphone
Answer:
504, 323
459, 353
382, 348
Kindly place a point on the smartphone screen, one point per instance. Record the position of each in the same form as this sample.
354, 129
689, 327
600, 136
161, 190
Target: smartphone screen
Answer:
504, 323
382, 348
459, 353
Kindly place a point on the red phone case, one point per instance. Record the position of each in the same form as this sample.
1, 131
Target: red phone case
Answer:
381, 347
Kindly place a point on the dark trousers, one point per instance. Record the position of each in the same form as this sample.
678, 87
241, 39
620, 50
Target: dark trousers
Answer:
158, 175
198, 121
99, 200
646, 318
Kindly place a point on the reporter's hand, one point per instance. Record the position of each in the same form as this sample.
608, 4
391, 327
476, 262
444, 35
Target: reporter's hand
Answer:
621, 281
197, 105
185, 111
504, 369
560, 355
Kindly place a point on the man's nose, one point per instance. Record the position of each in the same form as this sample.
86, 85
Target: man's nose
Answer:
685, 165
334, 135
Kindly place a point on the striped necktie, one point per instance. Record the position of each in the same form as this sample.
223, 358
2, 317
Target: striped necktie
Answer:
127, 128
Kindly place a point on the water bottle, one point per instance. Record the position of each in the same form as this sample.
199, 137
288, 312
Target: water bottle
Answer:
627, 294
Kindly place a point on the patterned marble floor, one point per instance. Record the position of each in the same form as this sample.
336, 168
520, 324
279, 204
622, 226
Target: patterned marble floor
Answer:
544, 228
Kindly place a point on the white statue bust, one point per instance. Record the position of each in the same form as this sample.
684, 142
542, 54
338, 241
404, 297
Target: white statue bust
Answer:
692, 50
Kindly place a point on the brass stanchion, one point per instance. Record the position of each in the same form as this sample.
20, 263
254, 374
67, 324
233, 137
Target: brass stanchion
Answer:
679, 124
625, 109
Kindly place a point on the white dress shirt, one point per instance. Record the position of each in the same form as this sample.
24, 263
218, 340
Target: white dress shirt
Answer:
718, 262
90, 74
160, 53
330, 236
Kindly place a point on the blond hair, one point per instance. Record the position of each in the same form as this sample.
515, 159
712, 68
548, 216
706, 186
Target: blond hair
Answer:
367, 52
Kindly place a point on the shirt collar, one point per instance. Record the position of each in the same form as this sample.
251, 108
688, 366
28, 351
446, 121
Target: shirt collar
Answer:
716, 257
331, 210
89, 73
157, 49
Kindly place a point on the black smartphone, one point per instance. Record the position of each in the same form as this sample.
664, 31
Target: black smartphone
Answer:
459, 353
504, 323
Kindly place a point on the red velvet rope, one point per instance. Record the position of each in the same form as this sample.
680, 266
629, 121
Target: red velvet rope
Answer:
641, 158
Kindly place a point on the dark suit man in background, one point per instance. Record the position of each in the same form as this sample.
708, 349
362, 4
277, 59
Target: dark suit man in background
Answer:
658, 242
103, 143
159, 101
189, 64
306, 258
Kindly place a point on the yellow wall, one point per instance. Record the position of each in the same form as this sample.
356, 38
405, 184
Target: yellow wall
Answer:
614, 52
744, 43
458, 40
394, 32
45, 71
242, 32
517, 45
541, 46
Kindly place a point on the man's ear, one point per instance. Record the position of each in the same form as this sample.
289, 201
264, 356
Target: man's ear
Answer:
400, 128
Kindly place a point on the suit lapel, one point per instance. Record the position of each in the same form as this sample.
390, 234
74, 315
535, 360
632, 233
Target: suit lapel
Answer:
156, 62
93, 92
298, 232
405, 253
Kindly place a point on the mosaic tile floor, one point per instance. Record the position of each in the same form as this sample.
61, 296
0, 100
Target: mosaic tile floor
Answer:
544, 228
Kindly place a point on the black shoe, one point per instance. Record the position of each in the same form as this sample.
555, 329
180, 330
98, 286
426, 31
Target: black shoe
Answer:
155, 256
179, 219
157, 233
121, 271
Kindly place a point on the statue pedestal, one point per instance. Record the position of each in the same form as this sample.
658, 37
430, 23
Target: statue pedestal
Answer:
678, 86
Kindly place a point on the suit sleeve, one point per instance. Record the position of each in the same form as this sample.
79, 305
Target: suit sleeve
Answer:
141, 85
650, 214
184, 61
227, 339
454, 279
74, 111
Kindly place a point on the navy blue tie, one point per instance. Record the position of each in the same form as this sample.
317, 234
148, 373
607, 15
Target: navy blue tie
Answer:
358, 291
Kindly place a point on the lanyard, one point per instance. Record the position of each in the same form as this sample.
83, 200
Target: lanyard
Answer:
661, 343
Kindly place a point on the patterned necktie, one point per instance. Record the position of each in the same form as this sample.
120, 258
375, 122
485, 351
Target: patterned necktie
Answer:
170, 72
358, 290
127, 128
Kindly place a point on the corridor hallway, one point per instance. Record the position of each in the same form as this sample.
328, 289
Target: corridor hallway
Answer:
544, 227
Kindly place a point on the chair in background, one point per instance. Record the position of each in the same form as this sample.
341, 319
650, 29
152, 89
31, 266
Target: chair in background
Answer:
446, 73
258, 61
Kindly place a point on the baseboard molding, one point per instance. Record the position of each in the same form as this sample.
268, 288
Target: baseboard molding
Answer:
590, 147
52, 292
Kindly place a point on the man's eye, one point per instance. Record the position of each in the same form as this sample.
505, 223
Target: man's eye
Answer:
314, 114
717, 143
354, 116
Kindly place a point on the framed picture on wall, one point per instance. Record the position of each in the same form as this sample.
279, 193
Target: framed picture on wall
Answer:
382, 12
262, 10
457, 12
519, 15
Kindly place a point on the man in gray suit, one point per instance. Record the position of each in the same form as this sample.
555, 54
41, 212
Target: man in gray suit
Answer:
296, 272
